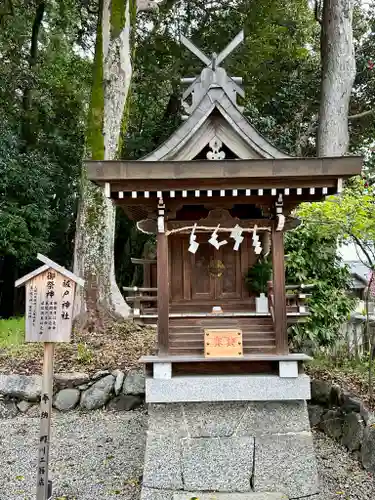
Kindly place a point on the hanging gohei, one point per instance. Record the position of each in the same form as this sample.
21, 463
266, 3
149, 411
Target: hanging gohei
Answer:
236, 235
214, 239
194, 245
256, 243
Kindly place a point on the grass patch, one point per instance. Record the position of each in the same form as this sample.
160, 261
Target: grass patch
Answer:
12, 332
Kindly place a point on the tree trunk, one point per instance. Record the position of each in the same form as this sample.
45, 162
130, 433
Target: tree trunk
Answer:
338, 73
27, 132
101, 299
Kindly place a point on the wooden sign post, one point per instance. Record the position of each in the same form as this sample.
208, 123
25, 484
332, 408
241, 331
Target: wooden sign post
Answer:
50, 292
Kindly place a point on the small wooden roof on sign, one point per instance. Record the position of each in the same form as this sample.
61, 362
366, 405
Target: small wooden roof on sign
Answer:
49, 264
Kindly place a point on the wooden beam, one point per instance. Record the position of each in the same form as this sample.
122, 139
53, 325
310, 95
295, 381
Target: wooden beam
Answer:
163, 286
109, 171
217, 184
279, 291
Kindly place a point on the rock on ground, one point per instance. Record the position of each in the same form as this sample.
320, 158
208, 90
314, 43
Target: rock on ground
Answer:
71, 379
98, 394
67, 399
368, 449
120, 376
8, 409
134, 383
21, 386
94, 456
353, 430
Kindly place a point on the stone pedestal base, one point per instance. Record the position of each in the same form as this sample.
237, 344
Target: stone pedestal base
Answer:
241, 451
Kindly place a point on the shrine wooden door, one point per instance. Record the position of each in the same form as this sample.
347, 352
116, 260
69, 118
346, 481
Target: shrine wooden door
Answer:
215, 274
202, 281
229, 284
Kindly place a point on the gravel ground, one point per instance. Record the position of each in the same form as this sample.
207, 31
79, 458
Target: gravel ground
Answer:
99, 456
341, 476
94, 456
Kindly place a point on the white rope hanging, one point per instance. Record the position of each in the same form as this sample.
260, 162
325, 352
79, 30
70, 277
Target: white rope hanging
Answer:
207, 229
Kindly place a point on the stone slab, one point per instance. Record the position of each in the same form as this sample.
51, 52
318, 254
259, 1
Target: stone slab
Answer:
213, 419
186, 495
227, 388
162, 468
167, 419
274, 418
286, 463
155, 494
217, 464
227, 419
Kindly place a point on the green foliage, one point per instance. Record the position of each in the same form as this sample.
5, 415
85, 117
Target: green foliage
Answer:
84, 354
12, 332
312, 259
258, 275
40, 162
350, 216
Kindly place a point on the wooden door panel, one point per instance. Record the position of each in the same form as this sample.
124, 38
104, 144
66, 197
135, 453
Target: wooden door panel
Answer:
229, 286
202, 285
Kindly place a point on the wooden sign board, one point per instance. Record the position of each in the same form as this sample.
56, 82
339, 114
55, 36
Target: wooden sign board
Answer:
50, 293
49, 307
223, 343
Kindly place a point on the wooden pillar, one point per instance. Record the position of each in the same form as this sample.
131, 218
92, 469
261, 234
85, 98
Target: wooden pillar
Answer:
278, 265
162, 283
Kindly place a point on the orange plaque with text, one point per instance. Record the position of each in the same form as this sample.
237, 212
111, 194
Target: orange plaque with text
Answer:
223, 343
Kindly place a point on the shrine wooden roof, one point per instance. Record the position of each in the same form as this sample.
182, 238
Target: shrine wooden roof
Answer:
148, 175
254, 169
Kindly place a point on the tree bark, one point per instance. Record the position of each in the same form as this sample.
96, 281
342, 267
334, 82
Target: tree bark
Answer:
338, 73
27, 133
101, 298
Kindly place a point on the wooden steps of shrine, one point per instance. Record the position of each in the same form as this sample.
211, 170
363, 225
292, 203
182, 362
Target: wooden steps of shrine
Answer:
186, 335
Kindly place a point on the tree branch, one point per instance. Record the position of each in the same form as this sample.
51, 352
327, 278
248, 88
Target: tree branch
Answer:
361, 115
27, 93
364, 250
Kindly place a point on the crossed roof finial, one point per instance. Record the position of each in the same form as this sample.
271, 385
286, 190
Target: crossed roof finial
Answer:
212, 74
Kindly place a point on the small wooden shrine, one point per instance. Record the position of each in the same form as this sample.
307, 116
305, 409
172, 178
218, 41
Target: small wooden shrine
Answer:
218, 196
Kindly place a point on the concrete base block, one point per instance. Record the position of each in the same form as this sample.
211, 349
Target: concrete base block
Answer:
228, 419
217, 464
286, 463
229, 451
163, 462
163, 370
227, 388
288, 369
